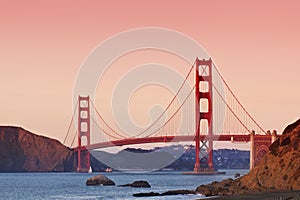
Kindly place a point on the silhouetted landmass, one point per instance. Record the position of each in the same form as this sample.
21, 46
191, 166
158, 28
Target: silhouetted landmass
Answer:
184, 158
134, 159
22, 151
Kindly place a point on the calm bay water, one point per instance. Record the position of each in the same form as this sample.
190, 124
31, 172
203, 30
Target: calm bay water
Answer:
72, 185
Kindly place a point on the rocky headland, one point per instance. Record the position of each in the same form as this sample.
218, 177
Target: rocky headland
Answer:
23, 151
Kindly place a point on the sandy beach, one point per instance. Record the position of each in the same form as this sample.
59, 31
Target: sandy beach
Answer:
286, 195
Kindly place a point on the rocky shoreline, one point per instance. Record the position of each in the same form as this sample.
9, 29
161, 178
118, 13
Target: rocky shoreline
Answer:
216, 190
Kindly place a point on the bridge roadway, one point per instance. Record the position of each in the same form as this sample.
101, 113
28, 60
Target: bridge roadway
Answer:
164, 139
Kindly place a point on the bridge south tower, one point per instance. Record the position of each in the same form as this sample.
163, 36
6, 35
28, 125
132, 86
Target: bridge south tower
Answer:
203, 116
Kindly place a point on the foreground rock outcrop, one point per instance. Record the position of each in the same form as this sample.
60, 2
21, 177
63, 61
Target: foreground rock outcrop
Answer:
137, 184
22, 151
99, 180
278, 170
168, 193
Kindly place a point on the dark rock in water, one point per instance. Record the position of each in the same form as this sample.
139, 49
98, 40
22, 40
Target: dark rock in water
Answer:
206, 190
146, 194
137, 184
177, 192
99, 180
216, 188
168, 193
237, 175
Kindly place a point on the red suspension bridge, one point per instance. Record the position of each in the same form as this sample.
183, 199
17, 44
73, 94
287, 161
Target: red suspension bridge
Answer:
212, 113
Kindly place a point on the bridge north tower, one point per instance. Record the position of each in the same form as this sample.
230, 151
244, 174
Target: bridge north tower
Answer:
83, 155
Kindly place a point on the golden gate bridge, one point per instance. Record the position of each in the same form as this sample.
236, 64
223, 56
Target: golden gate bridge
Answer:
215, 114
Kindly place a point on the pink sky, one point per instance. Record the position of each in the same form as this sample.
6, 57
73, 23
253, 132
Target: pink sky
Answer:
255, 44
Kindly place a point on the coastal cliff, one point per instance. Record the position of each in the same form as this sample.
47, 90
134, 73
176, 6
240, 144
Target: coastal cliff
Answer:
279, 170
23, 151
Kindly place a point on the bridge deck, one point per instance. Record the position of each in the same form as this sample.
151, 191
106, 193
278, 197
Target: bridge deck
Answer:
167, 139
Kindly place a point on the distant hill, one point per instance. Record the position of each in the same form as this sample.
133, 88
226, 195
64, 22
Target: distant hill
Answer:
143, 159
23, 151
222, 159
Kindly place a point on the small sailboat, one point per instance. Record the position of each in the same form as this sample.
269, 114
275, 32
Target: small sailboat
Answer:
90, 170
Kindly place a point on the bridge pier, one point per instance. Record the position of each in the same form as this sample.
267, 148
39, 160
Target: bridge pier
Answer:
259, 146
252, 150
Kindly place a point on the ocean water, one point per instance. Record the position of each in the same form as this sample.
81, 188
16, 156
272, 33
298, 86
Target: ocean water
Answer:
62, 186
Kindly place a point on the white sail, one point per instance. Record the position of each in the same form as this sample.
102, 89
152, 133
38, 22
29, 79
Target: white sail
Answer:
90, 170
